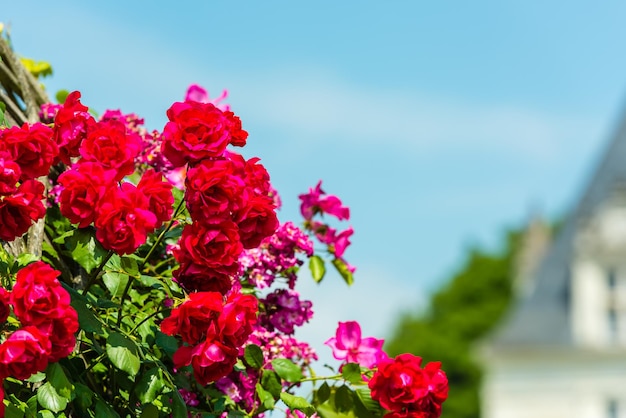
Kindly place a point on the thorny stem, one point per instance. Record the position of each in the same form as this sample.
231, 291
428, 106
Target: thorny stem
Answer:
94, 275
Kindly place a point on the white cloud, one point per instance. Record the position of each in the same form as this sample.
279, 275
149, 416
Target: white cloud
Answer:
317, 106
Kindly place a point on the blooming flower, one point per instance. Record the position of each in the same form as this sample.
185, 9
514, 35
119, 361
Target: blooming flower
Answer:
348, 345
317, 201
197, 93
402, 386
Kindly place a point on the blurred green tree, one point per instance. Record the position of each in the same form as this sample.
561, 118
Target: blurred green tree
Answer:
465, 310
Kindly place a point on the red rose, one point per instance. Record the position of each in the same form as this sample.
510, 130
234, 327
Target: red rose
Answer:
196, 131
61, 332
108, 144
256, 221
238, 318
213, 191
214, 246
211, 360
123, 221
10, 174
24, 353
197, 278
5, 304
159, 194
37, 295
238, 135
20, 210
257, 177
84, 186
195, 318
408, 414
402, 386
31, 147
72, 123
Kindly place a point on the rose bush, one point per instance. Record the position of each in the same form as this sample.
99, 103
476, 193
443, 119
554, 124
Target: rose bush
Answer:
164, 281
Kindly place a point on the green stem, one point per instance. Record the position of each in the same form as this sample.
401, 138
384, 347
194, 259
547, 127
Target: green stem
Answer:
147, 257
92, 364
155, 313
162, 234
124, 294
94, 276
315, 379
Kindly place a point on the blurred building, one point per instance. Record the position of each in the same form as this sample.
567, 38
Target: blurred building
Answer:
561, 353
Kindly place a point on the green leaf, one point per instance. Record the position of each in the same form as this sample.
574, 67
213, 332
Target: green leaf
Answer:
352, 373
59, 381
49, 398
297, 402
85, 249
150, 411
326, 410
343, 398
31, 405
365, 396
61, 96
86, 318
103, 410
12, 411
150, 386
25, 259
115, 282
253, 355
318, 269
123, 353
3, 108
265, 397
130, 266
37, 377
168, 343
342, 269
271, 382
323, 393
44, 413
179, 408
84, 396
287, 369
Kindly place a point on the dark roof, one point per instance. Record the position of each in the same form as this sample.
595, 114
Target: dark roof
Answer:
542, 318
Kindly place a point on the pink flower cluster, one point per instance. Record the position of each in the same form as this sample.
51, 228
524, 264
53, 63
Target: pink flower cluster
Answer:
276, 256
317, 202
48, 322
284, 311
241, 386
213, 330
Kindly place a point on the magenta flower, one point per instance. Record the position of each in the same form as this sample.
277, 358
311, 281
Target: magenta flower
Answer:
317, 201
348, 345
197, 93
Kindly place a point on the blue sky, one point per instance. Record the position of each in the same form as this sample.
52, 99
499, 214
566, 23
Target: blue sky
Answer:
439, 123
